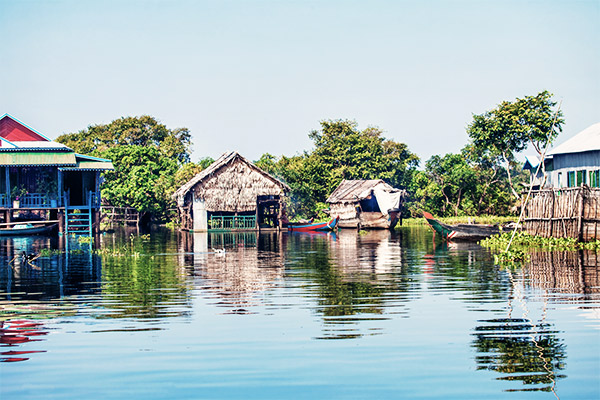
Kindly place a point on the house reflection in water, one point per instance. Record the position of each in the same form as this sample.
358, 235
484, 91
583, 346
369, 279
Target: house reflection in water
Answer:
233, 266
369, 252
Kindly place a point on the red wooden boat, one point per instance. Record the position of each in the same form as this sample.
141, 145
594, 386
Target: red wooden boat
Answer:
315, 226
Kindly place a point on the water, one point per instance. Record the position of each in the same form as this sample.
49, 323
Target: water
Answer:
298, 316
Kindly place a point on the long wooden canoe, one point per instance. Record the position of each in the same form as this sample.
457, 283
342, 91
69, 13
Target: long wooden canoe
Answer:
461, 231
316, 226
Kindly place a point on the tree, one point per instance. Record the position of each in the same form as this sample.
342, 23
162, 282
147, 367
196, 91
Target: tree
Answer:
341, 151
460, 184
189, 170
131, 131
142, 179
344, 152
512, 126
147, 157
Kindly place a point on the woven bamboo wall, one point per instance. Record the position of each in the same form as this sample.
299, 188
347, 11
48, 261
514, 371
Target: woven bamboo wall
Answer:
568, 212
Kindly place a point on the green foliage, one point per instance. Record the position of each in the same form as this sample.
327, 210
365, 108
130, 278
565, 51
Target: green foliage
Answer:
144, 131
344, 152
512, 126
150, 161
341, 151
458, 185
511, 258
45, 252
143, 179
189, 170
509, 128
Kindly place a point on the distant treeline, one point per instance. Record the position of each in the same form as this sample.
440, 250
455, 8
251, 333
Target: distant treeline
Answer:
151, 161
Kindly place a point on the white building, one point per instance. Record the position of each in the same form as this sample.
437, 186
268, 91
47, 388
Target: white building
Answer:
576, 162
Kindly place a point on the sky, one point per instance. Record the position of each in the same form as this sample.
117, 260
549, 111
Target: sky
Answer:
259, 76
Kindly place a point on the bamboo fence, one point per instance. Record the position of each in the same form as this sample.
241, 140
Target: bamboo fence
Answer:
568, 212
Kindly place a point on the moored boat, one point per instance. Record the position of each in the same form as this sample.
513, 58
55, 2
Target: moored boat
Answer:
315, 226
26, 229
461, 231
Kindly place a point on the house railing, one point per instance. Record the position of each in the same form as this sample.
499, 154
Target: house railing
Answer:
94, 199
232, 222
42, 200
33, 200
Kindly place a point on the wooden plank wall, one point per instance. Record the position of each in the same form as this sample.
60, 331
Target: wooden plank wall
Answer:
567, 212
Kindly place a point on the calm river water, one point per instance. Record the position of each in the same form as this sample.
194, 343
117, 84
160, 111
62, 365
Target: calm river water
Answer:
378, 315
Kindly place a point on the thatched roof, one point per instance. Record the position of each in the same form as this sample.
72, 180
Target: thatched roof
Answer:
351, 191
227, 160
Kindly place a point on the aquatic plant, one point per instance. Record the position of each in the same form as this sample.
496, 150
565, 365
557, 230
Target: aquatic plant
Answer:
49, 252
522, 242
523, 239
85, 239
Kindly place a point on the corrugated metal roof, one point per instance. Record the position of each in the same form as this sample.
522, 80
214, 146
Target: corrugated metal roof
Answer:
33, 158
37, 144
586, 140
90, 166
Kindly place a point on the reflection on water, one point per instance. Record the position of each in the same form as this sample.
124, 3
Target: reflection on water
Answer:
231, 267
571, 272
520, 351
359, 288
16, 332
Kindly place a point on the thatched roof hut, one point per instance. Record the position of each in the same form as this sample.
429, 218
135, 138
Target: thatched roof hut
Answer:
232, 193
366, 204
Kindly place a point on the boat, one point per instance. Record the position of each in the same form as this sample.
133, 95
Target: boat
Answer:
315, 226
461, 231
26, 229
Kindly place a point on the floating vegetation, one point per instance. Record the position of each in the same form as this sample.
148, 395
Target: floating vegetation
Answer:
118, 251
523, 239
523, 242
85, 239
49, 252
511, 257
483, 219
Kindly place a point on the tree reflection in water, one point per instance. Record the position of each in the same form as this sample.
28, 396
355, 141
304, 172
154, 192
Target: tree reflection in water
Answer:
358, 278
526, 352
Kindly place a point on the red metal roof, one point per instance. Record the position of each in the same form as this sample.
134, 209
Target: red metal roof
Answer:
14, 131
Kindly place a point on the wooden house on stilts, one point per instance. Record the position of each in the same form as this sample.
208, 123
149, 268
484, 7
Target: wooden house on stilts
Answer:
231, 194
45, 181
366, 204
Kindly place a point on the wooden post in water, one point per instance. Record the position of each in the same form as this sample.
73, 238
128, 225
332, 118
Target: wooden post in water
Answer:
580, 215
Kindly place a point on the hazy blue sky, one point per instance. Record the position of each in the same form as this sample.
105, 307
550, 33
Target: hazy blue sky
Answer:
258, 76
